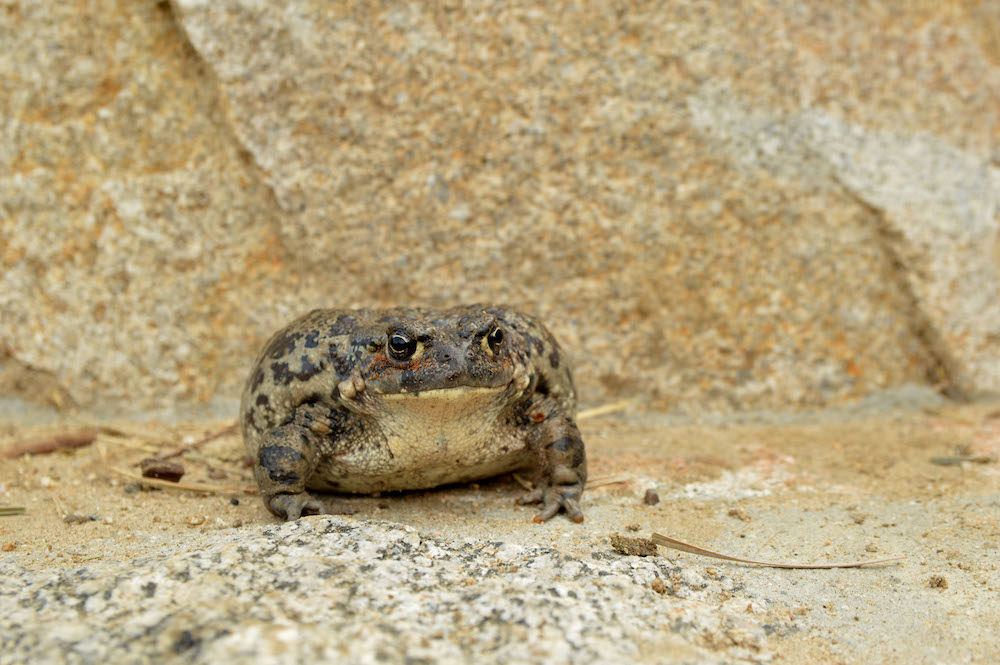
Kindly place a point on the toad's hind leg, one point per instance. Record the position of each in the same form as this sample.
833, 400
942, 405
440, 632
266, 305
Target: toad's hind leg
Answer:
284, 463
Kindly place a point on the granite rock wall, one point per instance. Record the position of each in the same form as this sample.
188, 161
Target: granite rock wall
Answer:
756, 205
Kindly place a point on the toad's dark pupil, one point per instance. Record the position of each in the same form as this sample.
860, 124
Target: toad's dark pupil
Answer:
401, 345
495, 338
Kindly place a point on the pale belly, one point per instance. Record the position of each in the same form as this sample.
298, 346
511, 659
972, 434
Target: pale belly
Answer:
429, 439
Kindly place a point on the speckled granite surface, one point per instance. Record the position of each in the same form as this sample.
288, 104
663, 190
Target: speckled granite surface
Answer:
334, 589
755, 206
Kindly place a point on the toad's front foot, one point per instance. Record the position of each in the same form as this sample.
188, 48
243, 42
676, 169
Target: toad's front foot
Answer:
554, 497
562, 462
294, 506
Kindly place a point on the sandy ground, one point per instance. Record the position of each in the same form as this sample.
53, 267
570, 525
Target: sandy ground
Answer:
822, 489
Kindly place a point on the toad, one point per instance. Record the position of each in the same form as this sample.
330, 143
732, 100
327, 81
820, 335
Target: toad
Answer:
368, 401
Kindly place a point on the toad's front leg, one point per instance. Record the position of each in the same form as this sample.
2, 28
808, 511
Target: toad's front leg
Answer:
284, 463
561, 458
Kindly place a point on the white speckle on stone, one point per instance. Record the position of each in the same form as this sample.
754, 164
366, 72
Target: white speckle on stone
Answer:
509, 552
461, 212
692, 578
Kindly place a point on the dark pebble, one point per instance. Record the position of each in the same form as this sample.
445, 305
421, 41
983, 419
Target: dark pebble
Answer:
161, 469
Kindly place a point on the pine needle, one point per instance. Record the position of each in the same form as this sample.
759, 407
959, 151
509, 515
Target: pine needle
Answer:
673, 543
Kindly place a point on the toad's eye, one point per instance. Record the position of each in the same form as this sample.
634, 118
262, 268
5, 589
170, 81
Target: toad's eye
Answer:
495, 339
401, 345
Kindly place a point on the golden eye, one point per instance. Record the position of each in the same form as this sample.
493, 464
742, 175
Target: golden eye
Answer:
495, 339
401, 345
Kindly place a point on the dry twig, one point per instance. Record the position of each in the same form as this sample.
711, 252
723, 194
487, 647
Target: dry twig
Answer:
49, 444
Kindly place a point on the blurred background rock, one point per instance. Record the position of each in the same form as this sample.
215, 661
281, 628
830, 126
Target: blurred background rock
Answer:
715, 206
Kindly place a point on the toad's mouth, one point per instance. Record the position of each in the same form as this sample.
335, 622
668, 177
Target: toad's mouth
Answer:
456, 393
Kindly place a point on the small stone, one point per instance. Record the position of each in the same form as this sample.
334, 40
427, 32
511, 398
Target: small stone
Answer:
658, 586
651, 498
739, 514
196, 520
234, 501
9, 547
938, 582
133, 488
161, 469
73, 518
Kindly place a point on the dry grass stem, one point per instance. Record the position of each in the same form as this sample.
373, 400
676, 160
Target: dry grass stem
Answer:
60, 510
187, 487
200, 442
604, 482
605, 409
523, 482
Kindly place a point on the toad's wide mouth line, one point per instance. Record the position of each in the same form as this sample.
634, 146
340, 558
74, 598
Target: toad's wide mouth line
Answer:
456, 393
